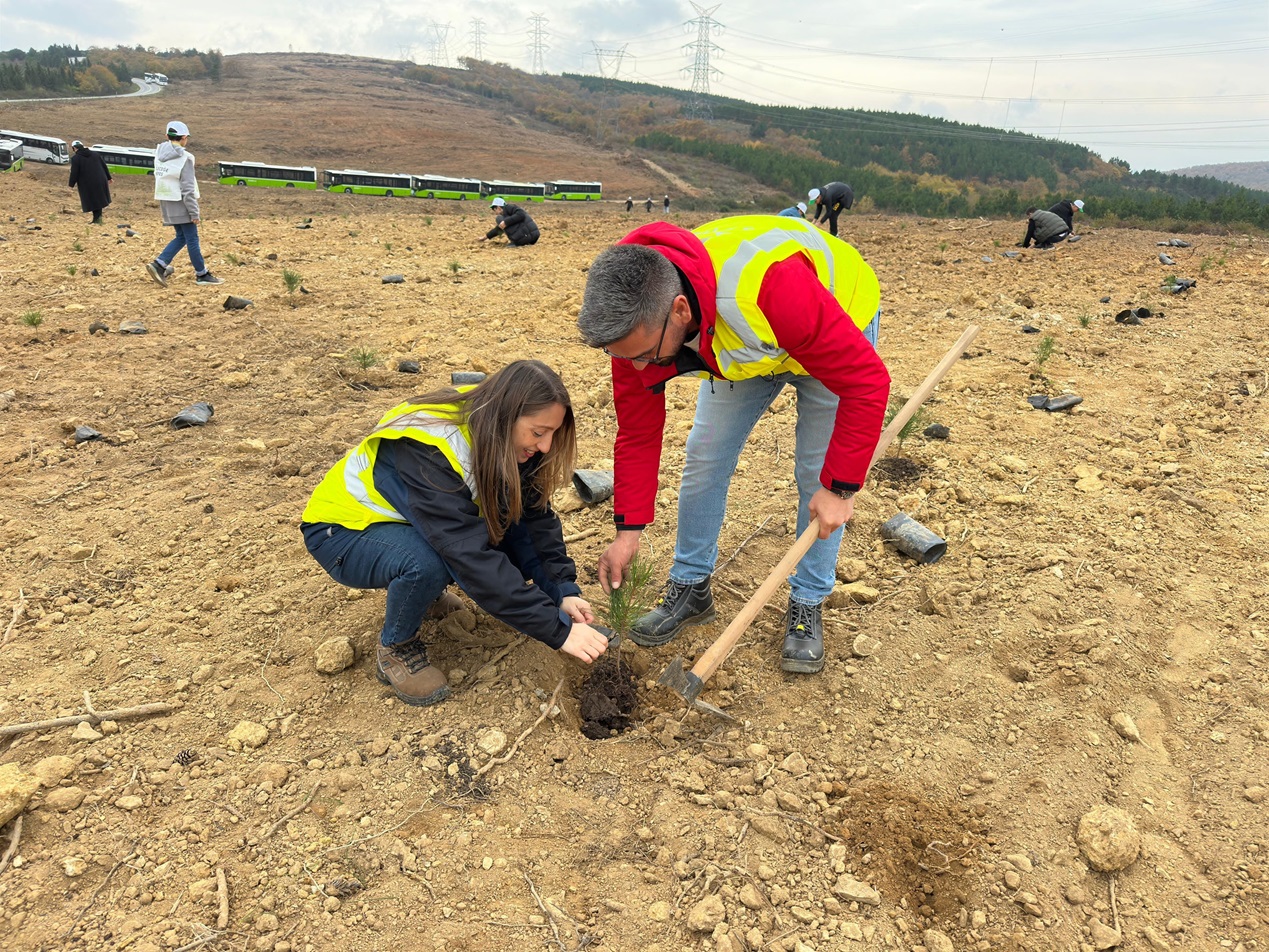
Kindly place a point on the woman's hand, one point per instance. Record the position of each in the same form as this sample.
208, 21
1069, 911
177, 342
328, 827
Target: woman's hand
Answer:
578, 609
584, 643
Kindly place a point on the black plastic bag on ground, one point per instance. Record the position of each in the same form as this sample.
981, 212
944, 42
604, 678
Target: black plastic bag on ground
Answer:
196, 414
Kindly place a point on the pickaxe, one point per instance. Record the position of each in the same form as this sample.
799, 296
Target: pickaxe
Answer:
690, 683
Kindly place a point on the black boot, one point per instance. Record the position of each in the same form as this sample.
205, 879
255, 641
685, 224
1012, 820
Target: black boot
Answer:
682, 604
803, 639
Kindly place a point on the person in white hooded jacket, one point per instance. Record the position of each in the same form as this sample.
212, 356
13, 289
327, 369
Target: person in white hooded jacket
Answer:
176, 190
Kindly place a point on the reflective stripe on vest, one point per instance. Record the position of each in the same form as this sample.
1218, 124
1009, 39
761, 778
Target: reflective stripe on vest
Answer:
742, 249
347, 495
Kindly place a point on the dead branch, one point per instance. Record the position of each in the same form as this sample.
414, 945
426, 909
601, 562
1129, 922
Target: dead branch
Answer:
94, 717
93, 901
61, 495
555, 930
222, 893
1114, 906
749, 538
201, 941
550, 705
298, 810
796, 819
18, 609
13, 843
584, 534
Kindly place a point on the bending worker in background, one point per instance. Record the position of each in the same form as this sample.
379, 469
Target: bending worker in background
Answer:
514, 222
751, 304
455, 486
793, 211
830, 201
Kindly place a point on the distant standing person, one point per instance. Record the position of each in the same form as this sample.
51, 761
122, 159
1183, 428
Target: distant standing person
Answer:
1044, 228
514, 222
830, 201
794, 211
176, 189
88, 172
647, 206
666, 205
630, 203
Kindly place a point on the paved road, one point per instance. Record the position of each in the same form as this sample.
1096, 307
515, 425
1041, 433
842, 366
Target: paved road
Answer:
143, 89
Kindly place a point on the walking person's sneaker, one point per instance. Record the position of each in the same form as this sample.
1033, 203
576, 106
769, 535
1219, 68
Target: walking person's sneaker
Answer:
169, 271
404, 667
682, 604
803, 639
158, 272
207, 278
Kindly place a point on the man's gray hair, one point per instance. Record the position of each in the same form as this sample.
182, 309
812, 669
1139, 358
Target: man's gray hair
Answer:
628, 286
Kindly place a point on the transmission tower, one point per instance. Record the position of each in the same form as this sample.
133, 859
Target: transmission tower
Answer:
537, 33
478, 37
609, 59
407, 53
440, 44
701, 71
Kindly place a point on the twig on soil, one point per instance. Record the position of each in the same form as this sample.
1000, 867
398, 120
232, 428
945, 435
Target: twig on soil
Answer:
93, 901
200, 942
13, 843
749, 538
298, 810
374, 836
265, 663
1114, 906
541, 905
61, 495
796, 819
584, 534
770, 606
18, 609
422, 882
550, 705
222, 893
93, 717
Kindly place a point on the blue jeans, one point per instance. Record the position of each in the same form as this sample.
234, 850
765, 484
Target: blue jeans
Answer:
726, 412
186, 237
391, 555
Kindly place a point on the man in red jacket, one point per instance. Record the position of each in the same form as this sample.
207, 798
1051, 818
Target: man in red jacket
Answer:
750, 304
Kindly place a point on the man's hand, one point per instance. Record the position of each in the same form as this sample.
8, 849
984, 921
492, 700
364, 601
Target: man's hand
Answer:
833, 511
584, 643
578, 609
612, 564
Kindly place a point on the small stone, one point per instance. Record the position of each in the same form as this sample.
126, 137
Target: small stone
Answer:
852, 890
795, 764
1103, 936
85, 733
247, 734
334, 655
53, 770
267, 922
936, 431
16, 789
1155, 941
751, 897
936, 941
705, 915
851, 570
130, 803
1254, 794
1108, 838
65, 799
492, 741
861, 593
659, 911
1020, 862
1076, 895
1175, 926
1125, 727
132, 327
865, 646
74, 866
408, 367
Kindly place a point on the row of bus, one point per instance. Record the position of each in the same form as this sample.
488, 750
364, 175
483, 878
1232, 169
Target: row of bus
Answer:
127, 160
157, 79
12, 155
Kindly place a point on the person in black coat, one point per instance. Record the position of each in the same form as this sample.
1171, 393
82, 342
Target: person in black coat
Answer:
514, 222
1066, 210
89, 173
830, 201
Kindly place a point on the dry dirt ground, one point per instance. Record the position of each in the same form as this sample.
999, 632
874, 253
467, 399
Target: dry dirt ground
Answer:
1105, 561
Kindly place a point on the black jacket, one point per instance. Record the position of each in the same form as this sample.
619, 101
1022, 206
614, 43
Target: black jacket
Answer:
520, 228
1066, 211
421, 484
88, 171
835, 197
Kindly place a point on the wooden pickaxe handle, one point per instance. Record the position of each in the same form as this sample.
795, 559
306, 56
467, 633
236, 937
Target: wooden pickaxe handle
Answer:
717, 653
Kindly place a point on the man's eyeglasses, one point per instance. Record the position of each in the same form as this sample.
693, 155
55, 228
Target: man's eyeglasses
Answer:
652, 356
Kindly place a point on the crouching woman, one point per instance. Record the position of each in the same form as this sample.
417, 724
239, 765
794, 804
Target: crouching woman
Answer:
455, 487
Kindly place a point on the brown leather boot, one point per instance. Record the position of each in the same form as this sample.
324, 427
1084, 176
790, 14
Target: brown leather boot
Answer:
404, 667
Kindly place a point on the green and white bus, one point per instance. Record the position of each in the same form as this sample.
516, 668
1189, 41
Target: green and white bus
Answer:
11, 157
359, 182
275, 176
575, 191
514, 191
125, 160
47, 149
442, 186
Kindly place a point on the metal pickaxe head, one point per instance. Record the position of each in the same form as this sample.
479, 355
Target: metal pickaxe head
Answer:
688, 685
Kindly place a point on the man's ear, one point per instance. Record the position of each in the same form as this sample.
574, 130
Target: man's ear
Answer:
681, 311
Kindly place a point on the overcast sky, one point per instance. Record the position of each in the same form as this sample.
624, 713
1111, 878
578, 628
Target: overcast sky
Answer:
1161, 83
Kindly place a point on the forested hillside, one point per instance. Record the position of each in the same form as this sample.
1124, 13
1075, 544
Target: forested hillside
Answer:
70, 71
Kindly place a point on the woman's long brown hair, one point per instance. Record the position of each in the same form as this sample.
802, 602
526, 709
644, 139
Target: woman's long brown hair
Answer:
491, 410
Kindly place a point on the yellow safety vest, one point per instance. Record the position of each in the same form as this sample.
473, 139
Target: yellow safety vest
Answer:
742, 249
347, 495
